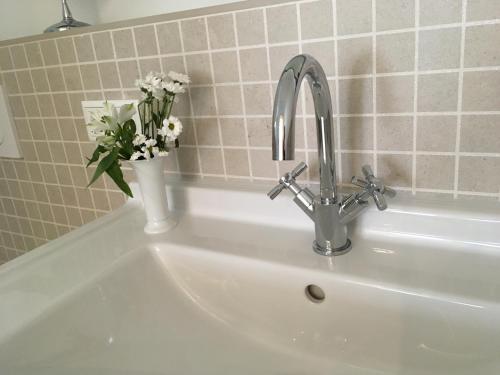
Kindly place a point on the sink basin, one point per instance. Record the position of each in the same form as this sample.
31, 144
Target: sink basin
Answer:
225, 292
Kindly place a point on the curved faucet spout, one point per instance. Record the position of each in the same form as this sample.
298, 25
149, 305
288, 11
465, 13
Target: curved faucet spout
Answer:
285, 103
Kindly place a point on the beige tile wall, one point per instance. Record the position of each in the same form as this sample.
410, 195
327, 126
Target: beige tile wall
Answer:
415, 87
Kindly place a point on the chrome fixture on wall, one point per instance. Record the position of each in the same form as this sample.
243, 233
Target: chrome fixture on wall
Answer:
330, 213
68, 22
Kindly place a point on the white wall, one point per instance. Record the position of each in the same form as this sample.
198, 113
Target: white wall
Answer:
117, 10
20, 18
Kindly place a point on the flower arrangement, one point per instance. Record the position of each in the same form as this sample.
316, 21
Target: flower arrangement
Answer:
121, 139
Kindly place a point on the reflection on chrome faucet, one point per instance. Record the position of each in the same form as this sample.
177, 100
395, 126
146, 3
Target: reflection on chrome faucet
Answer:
330, 213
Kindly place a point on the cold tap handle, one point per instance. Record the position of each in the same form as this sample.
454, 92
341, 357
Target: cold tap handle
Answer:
287, 179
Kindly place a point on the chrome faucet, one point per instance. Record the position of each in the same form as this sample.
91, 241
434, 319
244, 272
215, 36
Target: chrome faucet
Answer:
330, 212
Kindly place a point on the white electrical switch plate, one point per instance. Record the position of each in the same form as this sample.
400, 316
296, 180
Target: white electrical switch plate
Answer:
9, 148
89, 106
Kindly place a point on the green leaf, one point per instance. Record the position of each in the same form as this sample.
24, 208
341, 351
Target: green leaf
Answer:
115, 172
105, 163
95, 156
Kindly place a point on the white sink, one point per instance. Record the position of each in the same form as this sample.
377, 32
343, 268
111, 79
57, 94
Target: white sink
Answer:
224, 293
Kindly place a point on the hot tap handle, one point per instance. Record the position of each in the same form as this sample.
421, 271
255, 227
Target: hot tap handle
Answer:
297, 171
286, 179
275, 191
374, 187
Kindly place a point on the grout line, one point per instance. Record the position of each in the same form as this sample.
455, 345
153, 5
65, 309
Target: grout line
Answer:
302, 92
338, 142
191, 108
216, 102
460, 99
244, 106
374, 86
270, 88
415, 99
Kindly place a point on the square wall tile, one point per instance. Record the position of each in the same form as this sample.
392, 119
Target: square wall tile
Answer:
262, 164
84, 48
436, 133
56, 80
356, 133
395, 14
316, 19
169, 37
207, 131
254, 64
478, 10
437, 92
482, 46
103, 46
145, 40
480, 91
109, 75
395, 133
260, 130
124, 43
221, 31
394, 94
233, 131
25, 82
49, 52
324, 52
282, 23
194, 34
34, 54
129, 72
188, 160
395, 170
355, 95
175, 63
250, 27
229, 100
211, 161
18, 55
72, 79
439, 49
435, 172
40, 80
480, 134
10, 81
396, 52
5, 59
90, 77
355, 56
479, 174
279, 56
352, 163
354, 16
437, 12
257, 99
203, 101
149, 65
225, 67
198, 68
66, 49
236, 162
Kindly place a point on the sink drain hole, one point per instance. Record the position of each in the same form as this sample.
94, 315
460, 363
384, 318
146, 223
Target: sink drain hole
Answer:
314, 293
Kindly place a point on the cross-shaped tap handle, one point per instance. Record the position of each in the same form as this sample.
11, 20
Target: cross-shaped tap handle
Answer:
374, 187
286, 179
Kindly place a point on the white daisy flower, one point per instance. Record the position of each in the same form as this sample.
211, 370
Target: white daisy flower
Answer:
174, 87
136, 155
179, 77
163, 153
150, 142
172, 128
139, 139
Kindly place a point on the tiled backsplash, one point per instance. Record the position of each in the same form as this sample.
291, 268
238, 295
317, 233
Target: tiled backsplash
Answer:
415, 87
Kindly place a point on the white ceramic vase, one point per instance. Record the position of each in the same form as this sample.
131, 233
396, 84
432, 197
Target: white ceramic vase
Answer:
151, 180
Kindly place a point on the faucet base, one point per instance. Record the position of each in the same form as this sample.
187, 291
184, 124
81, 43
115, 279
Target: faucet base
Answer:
332, 252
